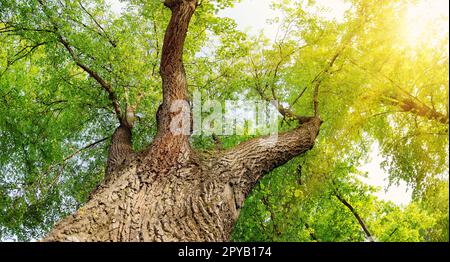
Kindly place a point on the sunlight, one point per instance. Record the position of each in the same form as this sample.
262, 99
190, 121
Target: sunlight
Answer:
426, 22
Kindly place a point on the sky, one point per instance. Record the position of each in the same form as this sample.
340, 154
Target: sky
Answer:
377, 177
252, 17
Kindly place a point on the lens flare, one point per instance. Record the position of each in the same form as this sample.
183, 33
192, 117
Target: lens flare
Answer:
426, 22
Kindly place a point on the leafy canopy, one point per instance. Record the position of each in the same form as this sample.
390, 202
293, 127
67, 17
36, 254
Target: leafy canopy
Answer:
375, 86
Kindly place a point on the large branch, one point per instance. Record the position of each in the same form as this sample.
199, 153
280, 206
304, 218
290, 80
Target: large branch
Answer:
172, 69
417, 107
248, 162
405, 101
172, 146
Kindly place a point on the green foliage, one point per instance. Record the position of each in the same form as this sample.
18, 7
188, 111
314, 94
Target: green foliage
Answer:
50, 109
354, 103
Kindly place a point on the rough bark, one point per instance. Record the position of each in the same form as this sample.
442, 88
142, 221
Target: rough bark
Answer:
420, 109
169, 192
120, 149
198, 201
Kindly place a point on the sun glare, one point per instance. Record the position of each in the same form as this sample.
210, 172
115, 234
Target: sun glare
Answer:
426, 22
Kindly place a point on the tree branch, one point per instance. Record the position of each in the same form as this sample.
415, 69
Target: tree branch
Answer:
299, 96
320, 77
406, 102
248, 162
276, 229
172, 69
285, 112
21, 54
103, 32
356, 215
417, 107
85, 148
172, 53
311, 232
65, 159
105, 85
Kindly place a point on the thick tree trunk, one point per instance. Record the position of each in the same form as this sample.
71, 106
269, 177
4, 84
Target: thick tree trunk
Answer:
196, 201
169, 192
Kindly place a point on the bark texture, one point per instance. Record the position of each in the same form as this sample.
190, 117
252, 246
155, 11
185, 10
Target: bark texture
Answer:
196, 201
120, 149
169, 192
420, 109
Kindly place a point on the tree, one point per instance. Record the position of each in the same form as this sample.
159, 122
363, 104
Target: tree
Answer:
161, 186
168, 192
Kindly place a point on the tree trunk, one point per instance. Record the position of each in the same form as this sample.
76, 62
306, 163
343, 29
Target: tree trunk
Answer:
169, 192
